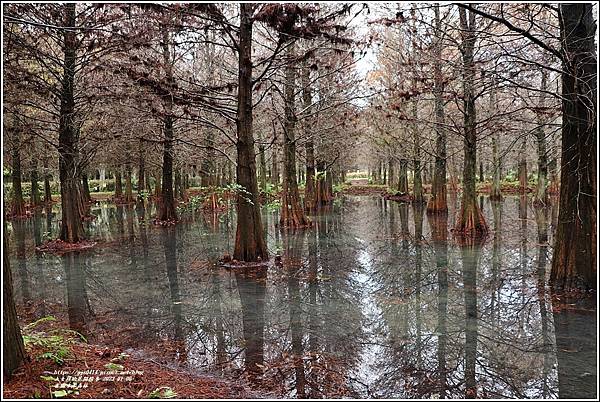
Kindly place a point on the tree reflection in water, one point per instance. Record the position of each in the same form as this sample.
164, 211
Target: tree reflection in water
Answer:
376, 300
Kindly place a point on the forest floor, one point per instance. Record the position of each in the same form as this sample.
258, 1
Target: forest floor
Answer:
60, 363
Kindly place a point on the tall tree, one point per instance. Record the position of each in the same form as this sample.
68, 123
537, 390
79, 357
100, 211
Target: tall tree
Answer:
71, 225
574, 257
13, 351
470, 220
250, 243
292, 213
438, 202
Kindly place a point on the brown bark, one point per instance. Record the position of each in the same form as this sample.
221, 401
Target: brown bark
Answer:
541, 192
263, 164
403, 177
574, 257
470, 220
71, 226
13, 350
141, 185
438, 202
167, 200
18, 204
47, 189
250, 243
522, 169
86, 188
417, 180
35, 187
292, 213
118, 185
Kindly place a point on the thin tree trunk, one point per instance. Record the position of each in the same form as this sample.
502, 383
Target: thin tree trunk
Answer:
141, 185
541, 193
574, 257
35, 187
47, 189
18, 204
522, 169
250, 243
417, 181
263, 164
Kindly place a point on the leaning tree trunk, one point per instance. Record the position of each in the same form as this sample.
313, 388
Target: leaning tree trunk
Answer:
470, 220
13, 350
71, 220
438, 202
292, 213
574, 257
250, 243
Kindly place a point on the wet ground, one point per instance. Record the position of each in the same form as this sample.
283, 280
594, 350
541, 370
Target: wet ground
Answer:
377, 300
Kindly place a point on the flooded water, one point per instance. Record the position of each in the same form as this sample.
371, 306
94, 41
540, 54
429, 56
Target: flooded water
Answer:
377, 300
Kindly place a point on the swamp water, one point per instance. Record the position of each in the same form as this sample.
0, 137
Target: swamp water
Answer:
376, 300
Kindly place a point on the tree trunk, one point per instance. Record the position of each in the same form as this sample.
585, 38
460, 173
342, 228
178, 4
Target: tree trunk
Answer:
128, 185
86, 188
250, 243
522, 169
167, 199
47, 189
417, 181
403, 177
18, 204
470, 220
438, 202
35, 187
118, 185
391, 174
495, 191
13, 351
71, 225
141, 171
263, 164
574, 257
541, 193
292, 213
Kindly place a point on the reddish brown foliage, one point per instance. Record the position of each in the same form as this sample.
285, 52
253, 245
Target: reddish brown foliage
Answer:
27, 382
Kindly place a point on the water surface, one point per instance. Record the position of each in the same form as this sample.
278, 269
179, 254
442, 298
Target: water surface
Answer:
377, 300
